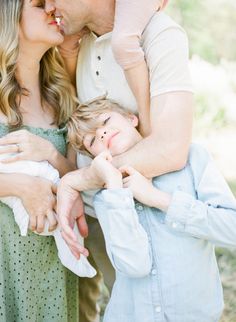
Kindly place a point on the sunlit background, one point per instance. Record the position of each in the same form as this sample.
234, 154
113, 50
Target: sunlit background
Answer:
211, 28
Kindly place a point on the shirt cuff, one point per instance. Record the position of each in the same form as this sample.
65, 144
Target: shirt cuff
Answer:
121, 198
179, 210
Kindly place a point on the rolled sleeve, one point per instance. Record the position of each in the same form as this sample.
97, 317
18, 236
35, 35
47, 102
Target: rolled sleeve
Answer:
179, 210
167, 56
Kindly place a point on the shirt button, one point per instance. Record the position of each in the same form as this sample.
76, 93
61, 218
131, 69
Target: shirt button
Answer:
139, 207
154, 272
99, 57
158, 309
174, 225
97, 73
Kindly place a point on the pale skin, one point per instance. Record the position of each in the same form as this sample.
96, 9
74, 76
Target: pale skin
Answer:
171, 114
37, 34
117, 134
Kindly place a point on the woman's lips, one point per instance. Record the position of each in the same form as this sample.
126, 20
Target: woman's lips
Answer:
109, 142
53, 22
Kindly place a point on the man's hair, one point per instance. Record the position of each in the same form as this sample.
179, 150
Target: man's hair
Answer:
85, 120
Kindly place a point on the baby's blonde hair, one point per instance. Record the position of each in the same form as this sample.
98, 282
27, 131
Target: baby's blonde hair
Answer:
85, 120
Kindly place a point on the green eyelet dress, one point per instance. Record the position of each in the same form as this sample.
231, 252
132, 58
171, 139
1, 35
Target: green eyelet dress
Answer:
34, 286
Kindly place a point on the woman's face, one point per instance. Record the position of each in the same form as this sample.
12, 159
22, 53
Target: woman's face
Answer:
37, 26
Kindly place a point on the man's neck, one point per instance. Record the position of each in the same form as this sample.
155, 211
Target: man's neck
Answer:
102, 18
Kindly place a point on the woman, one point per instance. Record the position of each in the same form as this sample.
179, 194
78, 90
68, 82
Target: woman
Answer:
35, 101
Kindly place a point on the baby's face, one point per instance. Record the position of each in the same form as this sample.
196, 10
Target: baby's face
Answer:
117, 134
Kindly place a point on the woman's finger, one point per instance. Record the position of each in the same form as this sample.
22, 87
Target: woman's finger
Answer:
40, 224
11, 148
14, 158
51, 220
32, 223
10, 139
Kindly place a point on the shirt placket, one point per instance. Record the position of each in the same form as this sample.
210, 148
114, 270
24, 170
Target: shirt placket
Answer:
97, 65
158, 309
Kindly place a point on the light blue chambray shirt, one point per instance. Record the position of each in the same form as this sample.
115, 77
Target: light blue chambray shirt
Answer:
165, 263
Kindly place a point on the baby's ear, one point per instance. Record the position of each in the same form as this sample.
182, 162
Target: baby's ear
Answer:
134, 120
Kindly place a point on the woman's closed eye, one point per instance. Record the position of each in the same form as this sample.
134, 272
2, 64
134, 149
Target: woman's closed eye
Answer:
39, 3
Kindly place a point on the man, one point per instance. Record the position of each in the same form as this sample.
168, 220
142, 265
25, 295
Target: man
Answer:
166, 49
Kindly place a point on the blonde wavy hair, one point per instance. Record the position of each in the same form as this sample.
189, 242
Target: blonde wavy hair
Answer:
85, 120
55, 86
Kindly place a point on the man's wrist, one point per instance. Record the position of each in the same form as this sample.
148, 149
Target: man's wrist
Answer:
114, 182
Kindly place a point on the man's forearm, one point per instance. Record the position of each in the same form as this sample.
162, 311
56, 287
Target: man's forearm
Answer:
82, 179
166, 149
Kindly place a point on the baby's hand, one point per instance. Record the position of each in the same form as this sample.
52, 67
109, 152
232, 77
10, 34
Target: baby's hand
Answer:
105, 171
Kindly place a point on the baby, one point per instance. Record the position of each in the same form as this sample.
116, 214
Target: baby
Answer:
45, 170
162, 243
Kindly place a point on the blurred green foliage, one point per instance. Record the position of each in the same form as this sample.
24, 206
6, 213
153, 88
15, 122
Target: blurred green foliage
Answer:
210, 25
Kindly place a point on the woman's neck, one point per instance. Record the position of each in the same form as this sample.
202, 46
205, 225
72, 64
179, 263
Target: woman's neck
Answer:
28, 65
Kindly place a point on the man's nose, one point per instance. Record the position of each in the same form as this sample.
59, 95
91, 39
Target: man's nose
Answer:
50, 6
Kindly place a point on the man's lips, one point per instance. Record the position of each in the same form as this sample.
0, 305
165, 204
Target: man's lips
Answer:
109, 142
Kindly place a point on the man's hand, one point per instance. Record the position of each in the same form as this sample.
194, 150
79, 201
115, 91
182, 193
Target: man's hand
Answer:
70, 211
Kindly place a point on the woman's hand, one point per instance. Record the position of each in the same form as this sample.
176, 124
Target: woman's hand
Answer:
38, 198
26, 146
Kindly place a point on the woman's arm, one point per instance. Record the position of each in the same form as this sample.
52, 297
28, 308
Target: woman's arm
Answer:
28, 146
